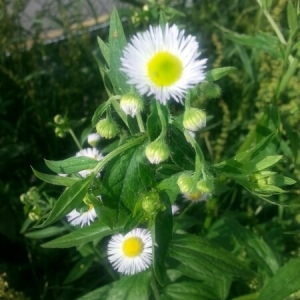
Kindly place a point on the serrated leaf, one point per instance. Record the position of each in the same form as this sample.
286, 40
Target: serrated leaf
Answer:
71, 165
188, 290
146, 175
256, 247
284, 283
80, 268
45, 233
55, 179
162, 235
218, 73
96, 230
135, 287
68, 201
104, 50
117, 42
98, 294
99, 112
199, 259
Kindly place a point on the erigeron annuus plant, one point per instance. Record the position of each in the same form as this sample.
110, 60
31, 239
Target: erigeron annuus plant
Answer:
127, 195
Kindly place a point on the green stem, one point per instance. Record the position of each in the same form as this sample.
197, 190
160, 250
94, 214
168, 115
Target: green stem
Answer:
162, 120
154, 287
75, 138
140, 122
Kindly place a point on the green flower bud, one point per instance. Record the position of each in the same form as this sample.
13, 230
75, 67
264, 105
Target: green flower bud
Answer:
151, 203
185, 183
107, 128
59, 132
58, 119
210, 89
157, 151
206, 186
194, 119
131, 104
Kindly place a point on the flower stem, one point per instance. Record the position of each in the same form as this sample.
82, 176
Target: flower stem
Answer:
154, 287
162, 120
140, 122
75, 138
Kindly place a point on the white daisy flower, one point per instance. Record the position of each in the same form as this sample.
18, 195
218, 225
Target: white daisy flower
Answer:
164, 63
82, 219
132, 253
196, 197
91, 153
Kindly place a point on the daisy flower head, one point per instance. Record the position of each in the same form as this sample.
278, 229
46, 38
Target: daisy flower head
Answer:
163, 62
93, 139
198, 196
76, 217
91, 153
131, 253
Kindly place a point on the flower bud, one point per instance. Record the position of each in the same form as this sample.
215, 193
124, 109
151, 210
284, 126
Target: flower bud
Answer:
107, 128
93, 139
206, 186
58, 119
59, 132
185, 183
210, 89
131, 104
194, 119
151, 203
157, 151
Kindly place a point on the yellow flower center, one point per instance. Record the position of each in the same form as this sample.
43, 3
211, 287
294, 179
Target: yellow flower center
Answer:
195, 196
164, 69
132, 247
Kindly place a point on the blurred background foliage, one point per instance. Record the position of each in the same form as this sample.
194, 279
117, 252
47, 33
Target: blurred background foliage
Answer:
40, 79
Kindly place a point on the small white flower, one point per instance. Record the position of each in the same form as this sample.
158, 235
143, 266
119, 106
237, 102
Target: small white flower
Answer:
93, 139
164, 63
196, 197
132, 253
82, 219
91, 153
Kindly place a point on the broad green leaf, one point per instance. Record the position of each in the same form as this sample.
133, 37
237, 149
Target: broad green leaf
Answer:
284, 283
162, 235
220, 286
218, 73
99, 112
117, 42
199, 259
292, 16
260, 163
146, 174
104, 50
133, 221
256, 247
55, 179
71, 165
188, 290
182, 153
80, 268
96, 230
170, 186
247, 297
288, 74
135, 287
71, 197
98, 294
153, 123
45, 233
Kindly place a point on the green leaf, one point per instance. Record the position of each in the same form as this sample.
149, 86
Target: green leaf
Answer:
96, 230
117, 42
162, 19
80, 268
256, 247
68, 200
218, 73
170, 186
199, 259
104, 50
260, 163
188, 290
99, 112
292, 16
135, 287
146, 175
153, 123
54, 179
98, 294
284, 283
71, 165
182, 153
162, 235
45, 233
